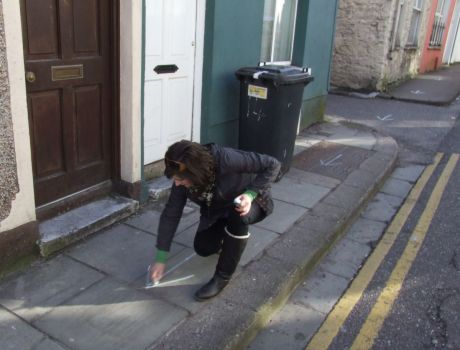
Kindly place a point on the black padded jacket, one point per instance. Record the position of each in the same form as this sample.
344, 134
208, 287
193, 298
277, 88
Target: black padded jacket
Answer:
236, 172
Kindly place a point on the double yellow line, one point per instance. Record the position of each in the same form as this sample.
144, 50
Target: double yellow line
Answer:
369, 331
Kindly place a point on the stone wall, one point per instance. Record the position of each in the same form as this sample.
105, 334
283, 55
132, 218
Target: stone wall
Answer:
363, 55
8, 174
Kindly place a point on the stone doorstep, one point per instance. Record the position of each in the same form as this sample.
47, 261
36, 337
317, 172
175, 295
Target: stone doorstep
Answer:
66, 229
159, 187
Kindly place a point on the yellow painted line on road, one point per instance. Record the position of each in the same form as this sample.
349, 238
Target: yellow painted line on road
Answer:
384, 303
331, 326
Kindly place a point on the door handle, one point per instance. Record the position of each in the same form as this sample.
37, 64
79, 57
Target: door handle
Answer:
30, 77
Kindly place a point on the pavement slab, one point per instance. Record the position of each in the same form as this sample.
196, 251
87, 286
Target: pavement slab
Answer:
283, 217
294, 324
408, 173
298, 192
396, 187
321, 292
382, 208
121, 252
180, 283
17, 334
45, 286
312, 178
110, 315
366, 231
346, 257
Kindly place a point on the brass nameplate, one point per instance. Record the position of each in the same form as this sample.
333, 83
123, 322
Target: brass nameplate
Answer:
67, 72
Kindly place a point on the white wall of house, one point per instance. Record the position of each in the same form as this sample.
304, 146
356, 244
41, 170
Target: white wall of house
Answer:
452, 50
130, 89
23, 206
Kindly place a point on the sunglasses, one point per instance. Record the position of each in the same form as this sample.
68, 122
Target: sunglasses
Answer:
175, 165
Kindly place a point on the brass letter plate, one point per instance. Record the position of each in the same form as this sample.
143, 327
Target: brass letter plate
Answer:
67, 72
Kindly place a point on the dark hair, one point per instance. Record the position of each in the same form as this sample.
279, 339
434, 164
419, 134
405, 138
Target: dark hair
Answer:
198, 161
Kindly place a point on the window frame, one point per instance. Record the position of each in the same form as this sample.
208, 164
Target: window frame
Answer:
417, 12
272, 43
396, 40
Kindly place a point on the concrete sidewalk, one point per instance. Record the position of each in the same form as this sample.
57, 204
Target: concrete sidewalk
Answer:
440, 87
91, 296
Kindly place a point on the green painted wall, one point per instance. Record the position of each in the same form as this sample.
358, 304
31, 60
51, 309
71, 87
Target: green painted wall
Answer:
233, 34
313, 45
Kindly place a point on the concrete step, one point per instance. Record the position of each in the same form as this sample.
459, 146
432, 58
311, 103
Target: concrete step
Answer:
65, 229
159, 187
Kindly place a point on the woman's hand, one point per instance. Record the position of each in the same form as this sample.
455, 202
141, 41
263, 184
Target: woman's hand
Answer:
157, 272
245, 205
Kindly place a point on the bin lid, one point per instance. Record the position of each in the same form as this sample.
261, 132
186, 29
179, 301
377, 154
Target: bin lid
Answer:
279, 75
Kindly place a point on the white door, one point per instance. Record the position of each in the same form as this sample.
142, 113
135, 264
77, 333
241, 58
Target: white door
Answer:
169, 67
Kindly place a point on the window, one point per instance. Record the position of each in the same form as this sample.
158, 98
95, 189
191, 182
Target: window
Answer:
439, 23
278, 31
396, 42
415, 23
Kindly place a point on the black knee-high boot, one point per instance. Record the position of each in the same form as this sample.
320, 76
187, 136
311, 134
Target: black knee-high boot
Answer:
232, 249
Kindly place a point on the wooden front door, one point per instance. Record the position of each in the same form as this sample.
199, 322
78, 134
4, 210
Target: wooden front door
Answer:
67, 50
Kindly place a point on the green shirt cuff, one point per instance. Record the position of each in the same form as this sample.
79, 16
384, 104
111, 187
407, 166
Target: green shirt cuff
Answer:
251, 194
161, 256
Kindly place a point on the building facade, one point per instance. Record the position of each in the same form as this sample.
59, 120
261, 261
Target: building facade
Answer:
378, 42
94, 91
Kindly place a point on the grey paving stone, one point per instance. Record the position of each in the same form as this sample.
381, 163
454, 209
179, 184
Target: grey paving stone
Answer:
396, 187
218, 325
48, 344
179, 285
386, 145
382, 208
122, 252
378, 164
344, 196
283, 217
360, 178
312, 178
110, 316
290, 328
321, 291
149, 219
409, 173
258, 241
298, 192
345, 258
361, 139
366, 231
46, 285
297, 247
17, 334
330, 132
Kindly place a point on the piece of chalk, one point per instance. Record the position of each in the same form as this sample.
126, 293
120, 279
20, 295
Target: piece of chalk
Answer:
237, 201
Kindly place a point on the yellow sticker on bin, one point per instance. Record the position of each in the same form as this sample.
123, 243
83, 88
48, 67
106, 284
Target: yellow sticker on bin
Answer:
257, 91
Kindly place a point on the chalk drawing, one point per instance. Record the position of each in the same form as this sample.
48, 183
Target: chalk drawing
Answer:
332, 161
387, 117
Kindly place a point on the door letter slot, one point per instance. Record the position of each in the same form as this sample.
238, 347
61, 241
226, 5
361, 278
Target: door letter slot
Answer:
166, 68
67, 72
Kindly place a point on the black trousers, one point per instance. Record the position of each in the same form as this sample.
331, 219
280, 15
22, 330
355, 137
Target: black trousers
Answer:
209, 241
